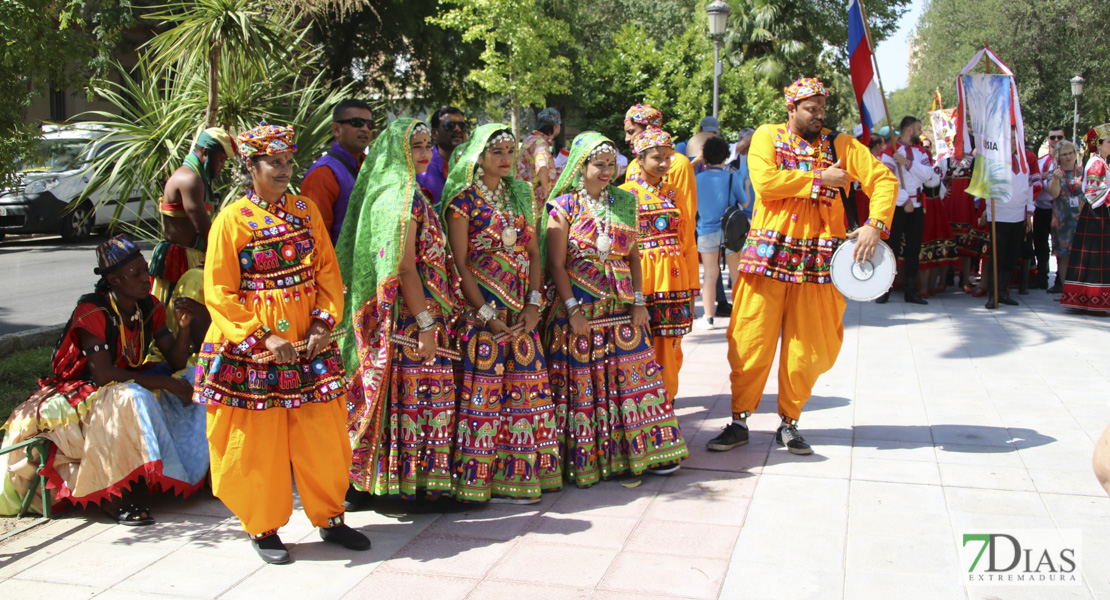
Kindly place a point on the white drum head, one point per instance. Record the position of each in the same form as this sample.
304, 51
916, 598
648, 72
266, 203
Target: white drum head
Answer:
863, 281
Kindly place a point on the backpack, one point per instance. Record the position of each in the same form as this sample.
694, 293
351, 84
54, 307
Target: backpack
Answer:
734, 224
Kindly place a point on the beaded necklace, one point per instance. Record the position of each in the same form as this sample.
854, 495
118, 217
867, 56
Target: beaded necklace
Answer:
600, 209
124, 342
275, 208
502, 211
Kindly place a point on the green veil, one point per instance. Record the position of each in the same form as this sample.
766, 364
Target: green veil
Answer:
624, 203
372, 239
463, 170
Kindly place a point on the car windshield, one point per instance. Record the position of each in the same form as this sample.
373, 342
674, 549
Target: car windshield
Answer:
54, 155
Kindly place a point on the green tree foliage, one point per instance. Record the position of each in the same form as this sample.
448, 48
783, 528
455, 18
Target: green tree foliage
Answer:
48, 45
389, 48
199, 33
160, 109
520, 49
1045, 42
677, 78
787, 40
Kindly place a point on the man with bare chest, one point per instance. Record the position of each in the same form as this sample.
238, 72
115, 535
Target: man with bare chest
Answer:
185, 207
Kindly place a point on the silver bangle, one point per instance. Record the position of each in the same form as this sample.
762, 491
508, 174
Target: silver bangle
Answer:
425, 321
570, 303
487, 312
535, 298
638, 299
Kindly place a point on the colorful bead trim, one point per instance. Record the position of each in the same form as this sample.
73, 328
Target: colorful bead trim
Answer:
263, 534
252, 340
879, 225
323, 316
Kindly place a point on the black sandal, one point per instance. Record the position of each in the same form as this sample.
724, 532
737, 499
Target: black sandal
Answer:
130, 516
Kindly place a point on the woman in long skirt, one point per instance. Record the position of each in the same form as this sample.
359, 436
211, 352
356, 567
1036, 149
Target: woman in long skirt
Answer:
401, 310
120, 425
1087, 283
1065, 185
613, 415
506, 449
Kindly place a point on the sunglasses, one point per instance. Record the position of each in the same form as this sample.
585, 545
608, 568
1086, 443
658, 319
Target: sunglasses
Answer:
1055, 138
358, 122
454, 126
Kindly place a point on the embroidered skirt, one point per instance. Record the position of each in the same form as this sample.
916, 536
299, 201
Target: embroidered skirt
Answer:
107, 441
938, 244
611, 407
416, 436
1087, 283
507, 445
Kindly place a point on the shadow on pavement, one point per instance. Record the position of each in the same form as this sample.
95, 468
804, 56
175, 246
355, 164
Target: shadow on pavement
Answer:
954, 438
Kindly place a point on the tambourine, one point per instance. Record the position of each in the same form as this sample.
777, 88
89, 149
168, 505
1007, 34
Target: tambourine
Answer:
863, 281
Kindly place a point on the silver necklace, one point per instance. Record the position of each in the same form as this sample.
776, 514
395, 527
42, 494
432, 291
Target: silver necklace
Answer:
503, 212
602, 212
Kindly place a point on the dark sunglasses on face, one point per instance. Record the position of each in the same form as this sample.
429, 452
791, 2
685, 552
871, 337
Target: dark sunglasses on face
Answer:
358, 122
454, 126
1055, 138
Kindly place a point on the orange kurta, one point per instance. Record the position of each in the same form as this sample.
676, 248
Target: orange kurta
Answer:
668, 261
784, 281
271, 270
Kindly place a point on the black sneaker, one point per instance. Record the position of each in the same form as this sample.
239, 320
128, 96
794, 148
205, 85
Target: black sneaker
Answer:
723, 310
788, 436
734, 435
343, 535
271, 550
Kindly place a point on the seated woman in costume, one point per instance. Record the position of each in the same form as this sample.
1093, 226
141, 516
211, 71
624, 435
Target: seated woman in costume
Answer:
613, 415
401, 309
114, 441
506, 450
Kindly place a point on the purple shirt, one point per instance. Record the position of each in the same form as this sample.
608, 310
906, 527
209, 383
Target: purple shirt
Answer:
434, 178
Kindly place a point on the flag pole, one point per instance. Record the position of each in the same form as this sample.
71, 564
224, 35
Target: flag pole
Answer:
994, 221
879, 78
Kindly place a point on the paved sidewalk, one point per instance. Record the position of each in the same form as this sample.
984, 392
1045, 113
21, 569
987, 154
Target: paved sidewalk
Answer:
935, 420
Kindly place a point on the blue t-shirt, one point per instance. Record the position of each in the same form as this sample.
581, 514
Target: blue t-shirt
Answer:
714, 196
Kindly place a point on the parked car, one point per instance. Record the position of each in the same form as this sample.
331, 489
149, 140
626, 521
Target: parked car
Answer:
51, 182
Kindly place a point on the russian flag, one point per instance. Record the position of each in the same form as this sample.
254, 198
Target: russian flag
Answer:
865, 80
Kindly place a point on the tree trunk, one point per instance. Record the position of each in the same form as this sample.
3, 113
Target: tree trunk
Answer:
515, 118
210, 118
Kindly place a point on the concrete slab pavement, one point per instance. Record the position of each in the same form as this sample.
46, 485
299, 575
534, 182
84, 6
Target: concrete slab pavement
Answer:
935, 421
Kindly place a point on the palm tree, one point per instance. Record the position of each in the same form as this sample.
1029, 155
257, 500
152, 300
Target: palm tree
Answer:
158, 109
202, 32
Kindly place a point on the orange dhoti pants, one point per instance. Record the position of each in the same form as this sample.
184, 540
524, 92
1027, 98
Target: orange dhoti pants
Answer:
668, 355
810, 317
252, 452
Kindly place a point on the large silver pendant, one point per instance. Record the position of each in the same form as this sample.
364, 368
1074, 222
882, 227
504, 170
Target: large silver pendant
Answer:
508, 236
604, 243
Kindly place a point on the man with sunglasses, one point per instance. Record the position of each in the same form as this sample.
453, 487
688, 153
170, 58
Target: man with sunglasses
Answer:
330, 187
449, 129
1042, 214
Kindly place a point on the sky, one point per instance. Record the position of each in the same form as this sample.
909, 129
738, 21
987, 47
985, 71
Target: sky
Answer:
893, 53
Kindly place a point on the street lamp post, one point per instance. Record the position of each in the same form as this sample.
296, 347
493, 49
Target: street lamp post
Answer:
718, 21
1076, 91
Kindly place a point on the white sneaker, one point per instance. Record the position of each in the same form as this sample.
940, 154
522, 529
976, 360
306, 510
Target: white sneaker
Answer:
705, 323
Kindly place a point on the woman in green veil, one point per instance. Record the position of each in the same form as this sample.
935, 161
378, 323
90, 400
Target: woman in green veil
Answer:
612, 408
401, 285
506, 449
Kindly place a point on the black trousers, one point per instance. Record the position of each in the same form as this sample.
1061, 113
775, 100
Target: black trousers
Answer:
1042, 227
1007, 249
905, 240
